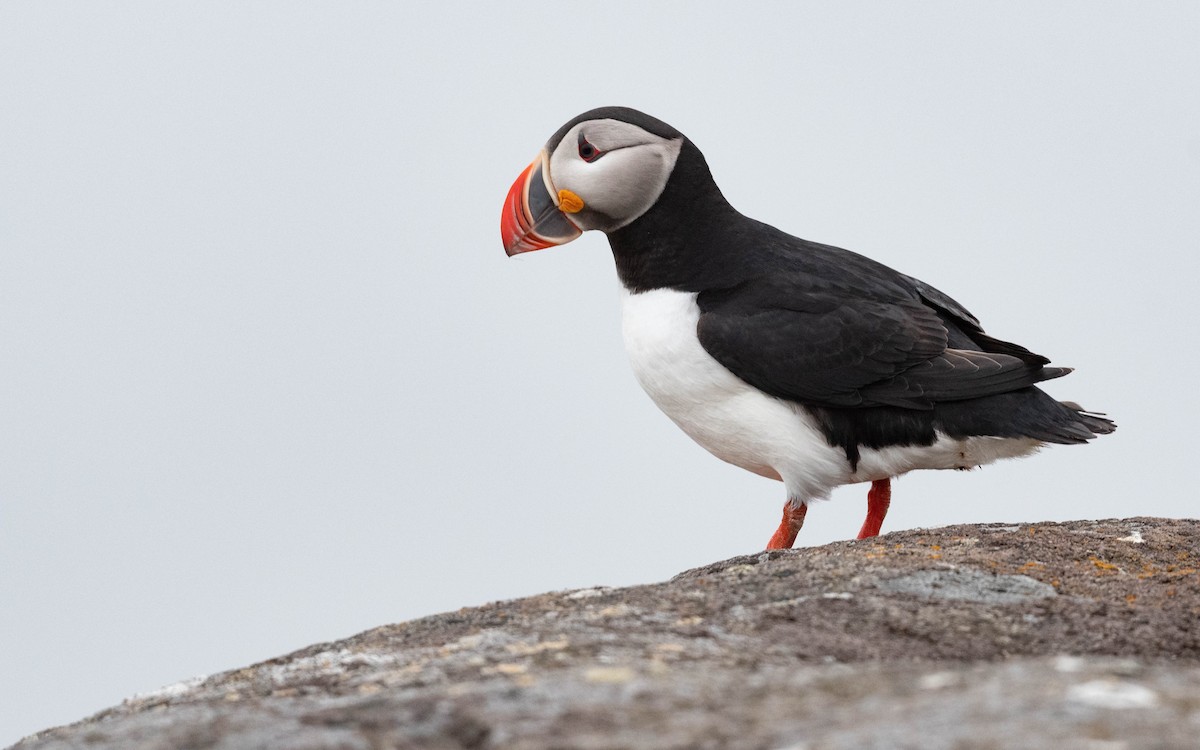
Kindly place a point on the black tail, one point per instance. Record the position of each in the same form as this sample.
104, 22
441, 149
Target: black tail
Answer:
1028, 412
1096, 422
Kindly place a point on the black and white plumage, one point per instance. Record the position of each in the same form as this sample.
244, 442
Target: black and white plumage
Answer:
792, 359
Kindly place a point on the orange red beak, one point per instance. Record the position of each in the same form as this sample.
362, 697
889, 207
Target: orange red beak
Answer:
532, 219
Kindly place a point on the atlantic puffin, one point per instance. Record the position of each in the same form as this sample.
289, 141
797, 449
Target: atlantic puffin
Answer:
796, 360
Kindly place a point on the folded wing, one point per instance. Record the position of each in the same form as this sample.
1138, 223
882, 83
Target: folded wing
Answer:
850, 345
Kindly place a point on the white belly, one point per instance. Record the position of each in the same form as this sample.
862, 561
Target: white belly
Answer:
742, 425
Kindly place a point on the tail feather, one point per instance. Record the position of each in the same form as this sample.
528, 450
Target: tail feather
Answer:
1079, 426
1095, 421
1029, 413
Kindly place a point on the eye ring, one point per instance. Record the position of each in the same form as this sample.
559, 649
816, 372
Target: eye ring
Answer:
587, 151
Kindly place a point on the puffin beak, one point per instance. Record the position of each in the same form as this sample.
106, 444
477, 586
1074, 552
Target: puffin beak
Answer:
535, 215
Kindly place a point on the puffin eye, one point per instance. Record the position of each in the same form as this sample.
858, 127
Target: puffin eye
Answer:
587, 151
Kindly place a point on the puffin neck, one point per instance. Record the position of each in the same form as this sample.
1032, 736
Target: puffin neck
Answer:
679, 243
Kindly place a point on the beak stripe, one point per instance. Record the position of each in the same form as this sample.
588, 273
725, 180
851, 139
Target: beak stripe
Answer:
530, 219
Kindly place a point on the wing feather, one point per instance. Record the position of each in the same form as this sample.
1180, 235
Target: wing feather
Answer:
839, 346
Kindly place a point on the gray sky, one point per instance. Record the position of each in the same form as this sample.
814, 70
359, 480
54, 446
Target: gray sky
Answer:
267, 377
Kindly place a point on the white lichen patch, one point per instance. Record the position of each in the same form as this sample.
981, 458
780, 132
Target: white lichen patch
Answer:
1112, 695
589, 593
1068, 664
328, 663
494, 638
741, 568
466, 643
938, 680
167, 692
783, 603
615, 610
522, 648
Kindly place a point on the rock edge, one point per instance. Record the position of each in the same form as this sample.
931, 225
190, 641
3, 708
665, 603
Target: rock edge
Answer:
1024, 635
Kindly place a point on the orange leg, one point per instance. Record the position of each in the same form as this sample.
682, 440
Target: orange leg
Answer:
878, 500
793, 519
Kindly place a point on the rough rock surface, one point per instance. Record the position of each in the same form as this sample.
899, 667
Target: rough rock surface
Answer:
1074, 635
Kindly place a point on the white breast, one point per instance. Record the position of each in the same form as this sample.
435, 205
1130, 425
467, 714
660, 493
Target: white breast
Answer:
731, 419
744, 426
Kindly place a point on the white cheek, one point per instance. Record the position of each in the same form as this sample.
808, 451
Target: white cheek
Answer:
623, 184
612, 182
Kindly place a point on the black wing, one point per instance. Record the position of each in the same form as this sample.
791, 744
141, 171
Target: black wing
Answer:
845, 344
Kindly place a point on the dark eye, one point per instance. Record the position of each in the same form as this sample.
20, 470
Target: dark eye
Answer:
587, 151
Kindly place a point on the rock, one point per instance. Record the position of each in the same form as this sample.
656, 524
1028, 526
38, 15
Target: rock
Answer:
1081, 634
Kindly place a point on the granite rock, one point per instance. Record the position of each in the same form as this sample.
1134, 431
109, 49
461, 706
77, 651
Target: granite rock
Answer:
1082, 634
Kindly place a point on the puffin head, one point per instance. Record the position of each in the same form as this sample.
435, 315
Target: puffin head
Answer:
601, 170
